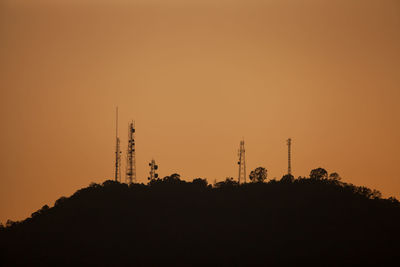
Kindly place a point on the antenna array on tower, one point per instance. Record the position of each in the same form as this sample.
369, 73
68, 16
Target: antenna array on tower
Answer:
131, 155
242, 163
153, 168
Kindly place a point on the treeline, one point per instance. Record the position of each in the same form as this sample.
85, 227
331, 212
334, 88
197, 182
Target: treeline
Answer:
258, 175
308, 220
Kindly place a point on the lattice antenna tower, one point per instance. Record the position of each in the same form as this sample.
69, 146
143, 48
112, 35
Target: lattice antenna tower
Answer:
242, 163
289, 144
131, 155
153, 168
117, 173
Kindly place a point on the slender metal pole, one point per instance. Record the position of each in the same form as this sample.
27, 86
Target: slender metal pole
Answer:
289, 143
117, 149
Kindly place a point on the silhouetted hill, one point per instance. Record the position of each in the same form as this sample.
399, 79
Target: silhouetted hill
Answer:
172, 222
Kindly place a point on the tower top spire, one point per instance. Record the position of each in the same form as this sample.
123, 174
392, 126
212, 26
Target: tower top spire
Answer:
289, 144
117, 173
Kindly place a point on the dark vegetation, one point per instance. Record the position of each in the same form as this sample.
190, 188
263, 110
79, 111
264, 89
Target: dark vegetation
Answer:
317, 220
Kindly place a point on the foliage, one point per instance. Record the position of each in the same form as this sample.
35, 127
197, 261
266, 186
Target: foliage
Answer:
229, 182
172, 178
335, 176
43, 210
258, 175
318, 174
60, 201
287, 178
199, 182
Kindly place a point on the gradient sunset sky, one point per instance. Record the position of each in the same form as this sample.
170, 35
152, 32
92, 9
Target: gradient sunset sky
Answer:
196, 76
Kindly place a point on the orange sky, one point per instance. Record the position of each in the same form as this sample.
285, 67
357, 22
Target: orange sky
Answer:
196, 76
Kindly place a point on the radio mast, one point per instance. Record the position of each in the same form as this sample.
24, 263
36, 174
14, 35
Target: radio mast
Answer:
153, 168
117, 174
289, 144
131, 155
242, 163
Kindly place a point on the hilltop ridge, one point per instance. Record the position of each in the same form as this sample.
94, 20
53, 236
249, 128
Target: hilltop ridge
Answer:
169, 221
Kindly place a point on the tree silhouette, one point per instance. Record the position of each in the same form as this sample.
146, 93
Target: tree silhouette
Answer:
334, 176
318, 174
41, 211
172, 177
258, 175
229, 182
287, 178
61, 200
11, 223
199, 182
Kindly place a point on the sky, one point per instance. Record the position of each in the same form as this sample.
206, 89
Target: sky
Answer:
197, 77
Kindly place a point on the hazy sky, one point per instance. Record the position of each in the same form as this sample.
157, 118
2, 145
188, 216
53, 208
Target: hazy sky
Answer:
196, 76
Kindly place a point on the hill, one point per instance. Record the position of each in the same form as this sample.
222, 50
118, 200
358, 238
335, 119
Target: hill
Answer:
173, 222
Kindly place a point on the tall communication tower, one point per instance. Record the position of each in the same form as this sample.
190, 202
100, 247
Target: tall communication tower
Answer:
242, 163
131, 155
289, 144
117, 174
153, 168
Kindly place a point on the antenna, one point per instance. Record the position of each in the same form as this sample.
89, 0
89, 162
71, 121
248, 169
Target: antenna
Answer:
131, 155
117, 174
242, 162
153, 168
289, 144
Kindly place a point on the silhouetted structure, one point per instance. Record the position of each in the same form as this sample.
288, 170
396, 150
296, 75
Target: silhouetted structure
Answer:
289, 144
242, 163
117, 174
153, 168
131, 155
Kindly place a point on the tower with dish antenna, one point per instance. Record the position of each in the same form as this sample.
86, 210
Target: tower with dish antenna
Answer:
289, 144
117, 173
131, 155
242, 163
153, 168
